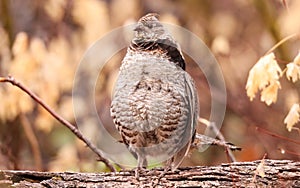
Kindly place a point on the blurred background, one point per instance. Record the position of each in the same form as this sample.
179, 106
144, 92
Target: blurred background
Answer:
42, 42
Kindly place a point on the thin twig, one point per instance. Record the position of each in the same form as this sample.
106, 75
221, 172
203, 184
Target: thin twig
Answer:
284, 151
212, 125
282, 41
202, 140
260, 169
221, 142
265, 131
286, 6
71, 127
32, 141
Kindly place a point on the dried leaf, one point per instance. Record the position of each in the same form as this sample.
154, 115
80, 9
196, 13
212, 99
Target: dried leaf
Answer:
260, 169
293, 71
269, 94
293, 117
264, 76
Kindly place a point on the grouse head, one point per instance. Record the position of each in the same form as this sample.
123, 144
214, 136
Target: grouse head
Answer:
151, 35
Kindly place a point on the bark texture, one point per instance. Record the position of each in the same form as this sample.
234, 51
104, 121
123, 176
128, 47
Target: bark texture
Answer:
277, 173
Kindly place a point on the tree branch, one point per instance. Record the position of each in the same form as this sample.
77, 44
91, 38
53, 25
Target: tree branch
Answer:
67, 124
277, 173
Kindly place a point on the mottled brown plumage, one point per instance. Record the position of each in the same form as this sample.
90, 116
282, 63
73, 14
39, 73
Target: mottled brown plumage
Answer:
155, 105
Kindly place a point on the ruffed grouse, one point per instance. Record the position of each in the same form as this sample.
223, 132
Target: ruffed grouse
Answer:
155, 103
